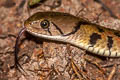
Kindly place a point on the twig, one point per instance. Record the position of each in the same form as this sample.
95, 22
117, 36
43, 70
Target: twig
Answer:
112, 72
107, 9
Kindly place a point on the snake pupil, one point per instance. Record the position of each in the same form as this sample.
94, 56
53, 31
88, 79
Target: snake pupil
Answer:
44, 24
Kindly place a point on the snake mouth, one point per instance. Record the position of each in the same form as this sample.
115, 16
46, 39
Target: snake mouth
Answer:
48, 37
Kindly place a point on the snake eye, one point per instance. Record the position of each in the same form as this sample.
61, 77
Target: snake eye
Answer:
45, 24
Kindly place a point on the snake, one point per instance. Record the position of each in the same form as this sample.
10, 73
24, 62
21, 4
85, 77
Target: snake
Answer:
67, 28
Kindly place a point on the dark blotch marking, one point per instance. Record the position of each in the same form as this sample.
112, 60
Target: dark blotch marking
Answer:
100, 30
98, 51
103, 53
117, 34
93, 38
109, 44
116, 54
109, 52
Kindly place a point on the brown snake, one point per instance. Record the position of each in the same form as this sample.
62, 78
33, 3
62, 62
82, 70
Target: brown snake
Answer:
70, 29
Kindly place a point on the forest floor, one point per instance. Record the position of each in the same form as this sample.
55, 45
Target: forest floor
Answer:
46, 60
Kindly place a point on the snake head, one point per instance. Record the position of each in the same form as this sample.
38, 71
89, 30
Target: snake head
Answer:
51, 24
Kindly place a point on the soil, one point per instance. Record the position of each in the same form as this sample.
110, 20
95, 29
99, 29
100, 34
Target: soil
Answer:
48, 60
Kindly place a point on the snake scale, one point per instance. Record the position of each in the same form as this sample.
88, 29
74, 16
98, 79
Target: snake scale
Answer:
70, 29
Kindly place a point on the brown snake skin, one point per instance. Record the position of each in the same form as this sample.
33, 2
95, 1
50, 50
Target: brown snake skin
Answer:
67, 28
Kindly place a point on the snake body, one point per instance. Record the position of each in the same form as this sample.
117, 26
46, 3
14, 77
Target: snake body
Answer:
70, 29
